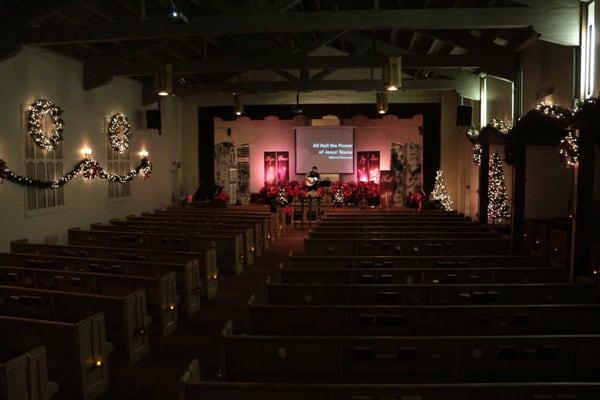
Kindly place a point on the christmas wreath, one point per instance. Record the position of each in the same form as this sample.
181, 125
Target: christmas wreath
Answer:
45, 137
119, 132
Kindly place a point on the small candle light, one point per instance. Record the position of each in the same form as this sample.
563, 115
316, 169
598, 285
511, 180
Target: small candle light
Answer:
143, 154
87, 152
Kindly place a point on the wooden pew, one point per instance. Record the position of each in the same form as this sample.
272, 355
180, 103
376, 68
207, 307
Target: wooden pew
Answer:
424, 275
203, 261
121, 272
423, 234
276, 220
408, 359
324, 294
247, 234
270, 232
196, 390
161, 294
352, 224
260, 238
265, 212
407, 247
446, 261
230, 254
77, 352
402, 228
24, 375
125, 316
457, 320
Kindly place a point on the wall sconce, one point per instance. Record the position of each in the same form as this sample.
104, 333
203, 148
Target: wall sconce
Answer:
382, 102
87, 152
143, 154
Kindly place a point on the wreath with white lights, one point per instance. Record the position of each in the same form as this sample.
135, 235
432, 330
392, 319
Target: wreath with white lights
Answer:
569, 150
477, 154
119, 132
46, 140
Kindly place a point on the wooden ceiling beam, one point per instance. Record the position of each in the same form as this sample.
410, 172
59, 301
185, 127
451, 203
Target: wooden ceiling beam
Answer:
310, 85
99, 72
287, 62
562, 19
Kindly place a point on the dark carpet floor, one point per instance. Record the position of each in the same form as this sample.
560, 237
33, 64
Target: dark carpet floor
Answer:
156, 376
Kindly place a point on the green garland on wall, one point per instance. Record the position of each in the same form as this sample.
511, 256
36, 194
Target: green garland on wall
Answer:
87, 167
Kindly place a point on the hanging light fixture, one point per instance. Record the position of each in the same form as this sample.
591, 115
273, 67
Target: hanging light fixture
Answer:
238, 105
392, 74
382, 102
164, 81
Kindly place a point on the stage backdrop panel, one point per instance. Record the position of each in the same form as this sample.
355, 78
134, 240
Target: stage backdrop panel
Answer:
330, 148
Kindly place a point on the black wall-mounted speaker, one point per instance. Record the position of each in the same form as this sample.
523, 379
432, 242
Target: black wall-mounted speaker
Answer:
153, 119
464, 115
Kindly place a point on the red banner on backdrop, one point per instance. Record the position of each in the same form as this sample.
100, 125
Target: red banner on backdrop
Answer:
367, 166
283, 166
270, 166
277, 166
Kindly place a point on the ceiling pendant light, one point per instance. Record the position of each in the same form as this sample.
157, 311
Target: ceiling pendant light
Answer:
392, 74
164, 81
238, 105
382, 102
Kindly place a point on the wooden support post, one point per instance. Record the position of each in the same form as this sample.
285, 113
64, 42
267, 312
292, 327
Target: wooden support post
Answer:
583, 222
518, 192
484, 180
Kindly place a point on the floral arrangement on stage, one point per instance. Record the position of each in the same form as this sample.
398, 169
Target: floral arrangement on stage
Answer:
349, 193
222, 197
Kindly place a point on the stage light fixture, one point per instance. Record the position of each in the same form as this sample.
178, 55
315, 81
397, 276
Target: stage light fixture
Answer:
382, 102
392, 74
297, 109
177, 14
164, 81
238, 105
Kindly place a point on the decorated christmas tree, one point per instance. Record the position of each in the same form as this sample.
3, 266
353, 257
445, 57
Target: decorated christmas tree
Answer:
440, 193
498, 207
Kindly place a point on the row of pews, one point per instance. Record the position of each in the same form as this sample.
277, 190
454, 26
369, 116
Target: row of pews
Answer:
397, 305
107, 295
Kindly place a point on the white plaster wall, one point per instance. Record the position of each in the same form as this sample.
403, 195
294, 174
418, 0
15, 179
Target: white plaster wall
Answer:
34, 74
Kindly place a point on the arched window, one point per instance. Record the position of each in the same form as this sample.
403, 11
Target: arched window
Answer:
43, 165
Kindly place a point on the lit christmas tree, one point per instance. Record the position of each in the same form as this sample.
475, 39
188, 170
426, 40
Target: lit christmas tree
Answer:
498, 207
440, 193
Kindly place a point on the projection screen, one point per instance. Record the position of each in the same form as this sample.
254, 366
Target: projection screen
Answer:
330, 148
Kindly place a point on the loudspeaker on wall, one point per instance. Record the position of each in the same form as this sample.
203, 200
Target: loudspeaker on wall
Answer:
464, 115
153, 119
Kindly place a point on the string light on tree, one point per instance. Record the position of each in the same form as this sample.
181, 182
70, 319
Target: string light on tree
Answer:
498, 207
569, 150
500, 125
477, 154
440, 192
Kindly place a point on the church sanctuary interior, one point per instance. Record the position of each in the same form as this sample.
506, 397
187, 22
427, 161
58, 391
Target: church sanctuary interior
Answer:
299, 200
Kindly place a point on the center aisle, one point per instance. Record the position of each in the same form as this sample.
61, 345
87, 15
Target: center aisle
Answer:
156, 377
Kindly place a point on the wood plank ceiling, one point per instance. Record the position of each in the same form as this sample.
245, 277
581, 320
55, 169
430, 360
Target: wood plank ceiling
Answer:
225, 39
